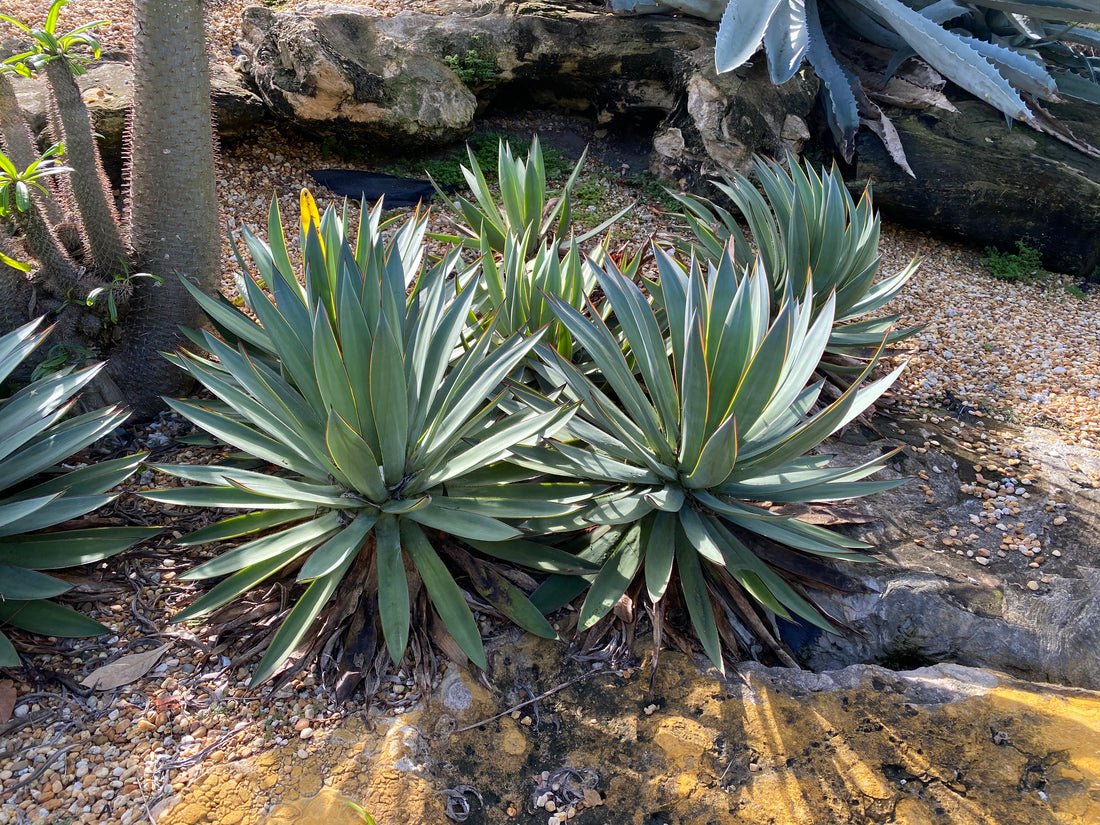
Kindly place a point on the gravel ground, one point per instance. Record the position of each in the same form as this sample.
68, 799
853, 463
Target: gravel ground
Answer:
1023, 353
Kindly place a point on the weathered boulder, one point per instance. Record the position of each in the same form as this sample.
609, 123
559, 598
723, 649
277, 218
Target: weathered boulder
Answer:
939, 745
981, 180
345, 68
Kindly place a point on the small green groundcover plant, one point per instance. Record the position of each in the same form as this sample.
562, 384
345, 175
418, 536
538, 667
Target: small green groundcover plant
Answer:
1021, 265
412, 440
37, 432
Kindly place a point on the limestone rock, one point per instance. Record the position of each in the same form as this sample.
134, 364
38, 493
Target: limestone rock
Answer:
979, 179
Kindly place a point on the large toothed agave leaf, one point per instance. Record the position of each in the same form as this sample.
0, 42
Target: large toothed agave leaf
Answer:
786, 40
36, 435
951, 56
742, 31
841, 108
720, 402
371, 395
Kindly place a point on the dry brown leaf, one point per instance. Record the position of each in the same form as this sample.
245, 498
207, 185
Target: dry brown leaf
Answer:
124, 670
169, 703
624, 609
8, 696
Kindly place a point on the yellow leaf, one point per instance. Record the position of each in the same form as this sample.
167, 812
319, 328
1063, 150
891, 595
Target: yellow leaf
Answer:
310, 216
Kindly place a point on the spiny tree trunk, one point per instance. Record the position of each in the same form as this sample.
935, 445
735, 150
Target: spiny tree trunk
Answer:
18, 140
174, 226
91, 191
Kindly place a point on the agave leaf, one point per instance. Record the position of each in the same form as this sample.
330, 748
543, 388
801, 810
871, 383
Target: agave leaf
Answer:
298, 622
244, 437
498, 504
950, 56
639, 326
500, 443
841, 109
618, 508
614, 578
355, 458
695, 529
717, 458
506, 597
20, 583
249, 523
60, 442
233, 586
1069, 11
389, 402
90, 479
47, 619
444, 592
558, 590
462, 523
785, 40
764, 585
221, 497
337, 551
54, 551
55, 511
8, 656
300, 538
393, 587
694, 588
659, 553
741, 31
536, 556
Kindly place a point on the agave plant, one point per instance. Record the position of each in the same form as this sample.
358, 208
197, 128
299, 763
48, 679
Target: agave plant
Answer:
811, 236
1009, 53
526, 211
36, 434
384, 426
699, 433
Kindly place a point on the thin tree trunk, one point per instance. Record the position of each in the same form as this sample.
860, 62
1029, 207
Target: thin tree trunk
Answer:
18, 140
57, 272
91, 190
174, 225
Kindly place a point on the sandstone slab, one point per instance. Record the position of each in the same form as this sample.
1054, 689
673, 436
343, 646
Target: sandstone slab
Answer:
935, 746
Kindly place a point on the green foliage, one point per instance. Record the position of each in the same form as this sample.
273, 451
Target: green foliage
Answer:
471, 67
48, 45
37, 434
525, 209
1021, 265
700, 430
121, 284
813, 238
386, 423
16, 184
446, 170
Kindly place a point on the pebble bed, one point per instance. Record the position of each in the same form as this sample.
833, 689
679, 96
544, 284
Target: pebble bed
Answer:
1025, 353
